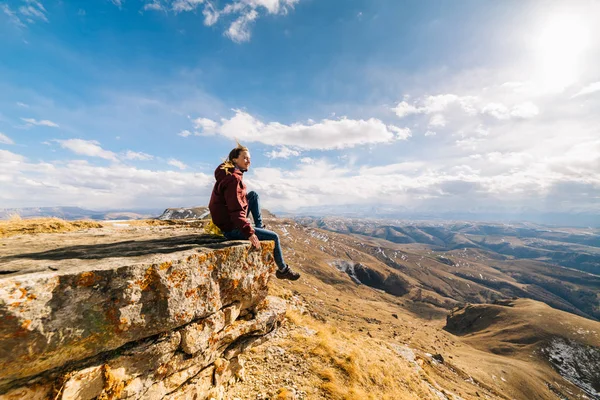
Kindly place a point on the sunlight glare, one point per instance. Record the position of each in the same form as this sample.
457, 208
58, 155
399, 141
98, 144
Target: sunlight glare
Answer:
561, 44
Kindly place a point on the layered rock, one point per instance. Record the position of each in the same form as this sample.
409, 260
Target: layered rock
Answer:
145, 330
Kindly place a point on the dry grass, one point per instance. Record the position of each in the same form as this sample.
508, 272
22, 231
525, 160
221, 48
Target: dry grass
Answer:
349, 366
168, 222
17, 226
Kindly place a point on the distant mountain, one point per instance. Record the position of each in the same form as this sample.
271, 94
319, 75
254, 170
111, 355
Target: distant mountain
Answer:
74, 213
185, 213
574, 219
197, 213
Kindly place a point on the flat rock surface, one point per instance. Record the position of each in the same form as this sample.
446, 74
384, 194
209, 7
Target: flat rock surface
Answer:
101, 248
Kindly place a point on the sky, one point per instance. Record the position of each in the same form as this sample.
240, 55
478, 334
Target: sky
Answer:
426, 105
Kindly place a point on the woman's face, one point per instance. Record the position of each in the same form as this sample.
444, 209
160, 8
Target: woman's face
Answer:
243, 160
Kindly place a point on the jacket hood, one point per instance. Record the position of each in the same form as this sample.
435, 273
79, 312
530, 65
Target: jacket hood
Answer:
224, 170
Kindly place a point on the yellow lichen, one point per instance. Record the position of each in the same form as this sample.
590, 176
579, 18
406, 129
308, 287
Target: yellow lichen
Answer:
113, 387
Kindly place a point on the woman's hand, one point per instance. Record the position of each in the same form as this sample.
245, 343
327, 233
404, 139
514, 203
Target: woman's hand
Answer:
254, 240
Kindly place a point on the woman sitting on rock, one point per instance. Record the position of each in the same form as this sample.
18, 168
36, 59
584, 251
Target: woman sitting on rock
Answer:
229, 206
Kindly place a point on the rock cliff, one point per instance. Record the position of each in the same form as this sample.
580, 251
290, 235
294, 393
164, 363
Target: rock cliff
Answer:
85, 322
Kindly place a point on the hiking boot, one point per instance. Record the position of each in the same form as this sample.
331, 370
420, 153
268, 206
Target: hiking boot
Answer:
287, 274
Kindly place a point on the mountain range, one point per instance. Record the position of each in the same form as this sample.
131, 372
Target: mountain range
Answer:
74, 213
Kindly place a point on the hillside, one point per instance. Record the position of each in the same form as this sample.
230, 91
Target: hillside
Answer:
520, 329
475, 270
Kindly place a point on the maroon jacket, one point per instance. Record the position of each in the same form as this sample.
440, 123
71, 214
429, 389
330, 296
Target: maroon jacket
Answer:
228, 204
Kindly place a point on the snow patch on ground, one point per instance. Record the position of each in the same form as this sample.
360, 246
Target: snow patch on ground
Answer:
347, 267
577, 363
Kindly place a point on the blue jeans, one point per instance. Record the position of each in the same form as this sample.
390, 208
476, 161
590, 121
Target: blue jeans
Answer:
254, 208
261, 233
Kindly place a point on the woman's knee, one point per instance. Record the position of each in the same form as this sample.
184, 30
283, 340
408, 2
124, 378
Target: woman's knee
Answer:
275, 237
252, 195
264, 234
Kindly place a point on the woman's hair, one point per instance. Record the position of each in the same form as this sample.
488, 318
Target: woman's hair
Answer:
235, 153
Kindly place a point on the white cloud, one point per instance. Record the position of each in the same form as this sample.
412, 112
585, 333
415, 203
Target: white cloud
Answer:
487, 179
591, 88
498, 179
430, 133
33, 10
239, 30
207, 126
510, 158
211, 15
90, 148
470, 143
496, 110
482, 131
438, 103
525, 110
8, 157
44, 122
435, 104
273, 6
5, 139
133, 155
325, 135
463, 106
500, 111
12, 16
185, 5
185, 133
391, 169
80, 183
155, 6
22, 105
404, 109
401, 133
30, 12
118, 3
519, 87
177, 163
283, 152
437, 120
243, 13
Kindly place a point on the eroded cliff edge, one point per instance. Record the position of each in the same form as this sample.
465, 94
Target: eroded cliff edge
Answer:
131, 317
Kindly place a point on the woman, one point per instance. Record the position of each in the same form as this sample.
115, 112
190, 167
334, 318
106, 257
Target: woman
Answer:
229, 206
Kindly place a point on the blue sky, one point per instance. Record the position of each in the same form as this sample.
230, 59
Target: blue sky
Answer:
429, 105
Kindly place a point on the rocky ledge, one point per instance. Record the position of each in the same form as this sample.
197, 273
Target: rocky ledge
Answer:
149, 326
